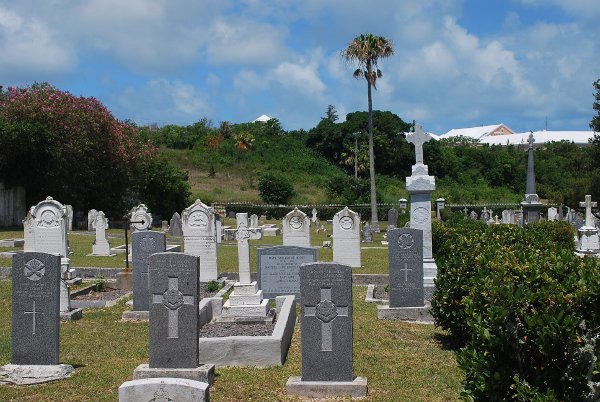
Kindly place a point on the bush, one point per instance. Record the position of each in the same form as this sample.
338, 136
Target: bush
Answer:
522, 306
275, 189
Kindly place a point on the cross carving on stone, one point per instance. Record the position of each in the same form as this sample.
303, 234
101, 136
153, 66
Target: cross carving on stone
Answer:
243, 234
33, 313
405, 270
326, 311
588, 204
418, 138
173, 299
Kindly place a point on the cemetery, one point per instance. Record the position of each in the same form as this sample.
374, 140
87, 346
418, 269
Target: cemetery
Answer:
246, 262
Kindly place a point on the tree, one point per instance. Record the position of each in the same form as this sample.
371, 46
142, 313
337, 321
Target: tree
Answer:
68, 147
331, 114
595, 123
274, 188
366, 50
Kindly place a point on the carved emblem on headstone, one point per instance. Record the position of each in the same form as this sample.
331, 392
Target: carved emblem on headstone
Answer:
198, 218
420, 215
346, 223
34, 270
296, 222
173, 299
405, 241
326, 311
161, 396
48, 219
147, 243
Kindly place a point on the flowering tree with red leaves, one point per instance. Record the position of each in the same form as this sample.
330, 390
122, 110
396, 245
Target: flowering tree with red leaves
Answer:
71, 148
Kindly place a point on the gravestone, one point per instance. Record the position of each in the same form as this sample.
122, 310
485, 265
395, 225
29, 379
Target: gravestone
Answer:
326, 334
143, 245
101, 245
552, 214
164, 390
508, 216
69, 217
317, 224
219, 228
485, 214
141, 217
36, 308
313, 218
326, 322
367, 234
296, 229
474, 215
175, 225
406, 267
279, 269
200, 238
253, 221
164, 226
91, 219
392, 218
588, 240
346, 238
28, 232
174, 282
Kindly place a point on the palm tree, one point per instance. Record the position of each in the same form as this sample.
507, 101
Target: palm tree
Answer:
365, 50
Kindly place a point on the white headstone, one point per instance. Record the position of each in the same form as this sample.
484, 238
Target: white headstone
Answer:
200, 238
296, 229
91, 218
243, 234
140, 218
346, 238
28, 234
101, 245
253, 221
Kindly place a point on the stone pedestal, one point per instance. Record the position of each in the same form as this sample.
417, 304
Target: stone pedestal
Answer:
420, 186
588, 242
245, 303
531, 208
326, 389
204, 373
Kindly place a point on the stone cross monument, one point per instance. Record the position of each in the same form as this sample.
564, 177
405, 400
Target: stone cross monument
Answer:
532, 205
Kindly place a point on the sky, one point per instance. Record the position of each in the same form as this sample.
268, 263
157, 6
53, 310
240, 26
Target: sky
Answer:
529, 64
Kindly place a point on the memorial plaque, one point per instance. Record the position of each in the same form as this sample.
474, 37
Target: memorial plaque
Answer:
36, 308
279, 269
326, 314
143, 244
406, 267
174, 290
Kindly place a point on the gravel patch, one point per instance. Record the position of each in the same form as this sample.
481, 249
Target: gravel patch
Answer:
380, 293
221, 329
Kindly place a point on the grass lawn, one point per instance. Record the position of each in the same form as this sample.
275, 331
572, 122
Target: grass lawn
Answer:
402, 362
374, 255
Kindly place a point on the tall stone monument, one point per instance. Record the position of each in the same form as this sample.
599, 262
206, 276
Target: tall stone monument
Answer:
326, 334
296, 229
200, 238
420, 186
346, 238
532, 205
588, 242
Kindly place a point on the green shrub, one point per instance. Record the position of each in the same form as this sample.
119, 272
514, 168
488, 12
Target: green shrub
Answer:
275, 189
522, 306
213, 286
100, 284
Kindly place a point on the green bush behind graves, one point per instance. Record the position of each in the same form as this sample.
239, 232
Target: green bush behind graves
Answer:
522, 308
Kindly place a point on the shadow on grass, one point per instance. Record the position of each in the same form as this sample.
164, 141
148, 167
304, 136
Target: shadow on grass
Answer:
447, 341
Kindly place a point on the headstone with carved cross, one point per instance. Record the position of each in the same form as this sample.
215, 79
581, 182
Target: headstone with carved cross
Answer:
35, 308
144, 244
326, 322
406, 267
174, 293
588, 240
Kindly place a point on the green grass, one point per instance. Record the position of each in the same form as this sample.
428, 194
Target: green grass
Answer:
402, 362
374, 255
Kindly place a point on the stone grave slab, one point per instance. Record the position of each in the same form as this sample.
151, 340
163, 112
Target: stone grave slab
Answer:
163, 390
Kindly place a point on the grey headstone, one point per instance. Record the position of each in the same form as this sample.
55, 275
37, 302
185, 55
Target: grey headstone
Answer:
406, 267
326, 314
174, 279
392, 218
35, 308
367, 233
163, 390
175, 227
279, 269
143, 244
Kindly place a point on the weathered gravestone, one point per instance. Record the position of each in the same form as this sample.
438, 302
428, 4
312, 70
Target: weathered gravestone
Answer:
173, 345
164, 390
346, 238
175, 225
367, 234
279, 269
140, 218
253, 221
313, 218
36, 308
473, 215
101, 245
35, 321
200, 238
552, 214
326, 322
143, 245
392, 218
296, 229
28, 232
91, 219
406, 267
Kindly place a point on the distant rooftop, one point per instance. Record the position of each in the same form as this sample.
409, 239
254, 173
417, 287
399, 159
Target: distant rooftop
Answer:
478, 132
263, 118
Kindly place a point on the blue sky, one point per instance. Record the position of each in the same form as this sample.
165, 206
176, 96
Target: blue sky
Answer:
458, 63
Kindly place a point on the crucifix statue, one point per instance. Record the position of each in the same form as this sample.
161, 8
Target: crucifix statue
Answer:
243, 234
418, 138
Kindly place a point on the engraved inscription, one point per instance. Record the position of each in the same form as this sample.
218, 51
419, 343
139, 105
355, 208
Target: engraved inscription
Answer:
34, 270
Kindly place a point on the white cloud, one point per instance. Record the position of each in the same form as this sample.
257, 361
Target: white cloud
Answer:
302, 77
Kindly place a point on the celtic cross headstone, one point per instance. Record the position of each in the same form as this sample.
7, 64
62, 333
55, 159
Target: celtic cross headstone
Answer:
174, 285
405, 248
